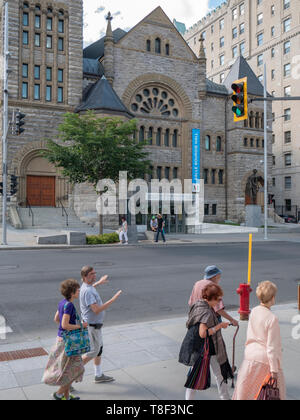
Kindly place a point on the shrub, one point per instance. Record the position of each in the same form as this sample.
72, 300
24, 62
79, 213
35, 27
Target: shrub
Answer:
106, 238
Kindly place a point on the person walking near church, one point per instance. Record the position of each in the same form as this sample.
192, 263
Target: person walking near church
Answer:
123, 232
93, 312
160, 228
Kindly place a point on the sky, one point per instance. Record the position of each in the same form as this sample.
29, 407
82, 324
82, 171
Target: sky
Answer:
128, 13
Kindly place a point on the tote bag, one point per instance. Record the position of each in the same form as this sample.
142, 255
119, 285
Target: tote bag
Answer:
77, 342
199, 376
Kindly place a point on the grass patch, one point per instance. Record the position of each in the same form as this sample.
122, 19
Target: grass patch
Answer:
106, 238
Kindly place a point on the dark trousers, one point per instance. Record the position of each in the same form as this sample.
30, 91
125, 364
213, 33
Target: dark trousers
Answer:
162, 234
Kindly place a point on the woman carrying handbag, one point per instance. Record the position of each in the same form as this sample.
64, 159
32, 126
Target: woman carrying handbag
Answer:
203, 346
62, 370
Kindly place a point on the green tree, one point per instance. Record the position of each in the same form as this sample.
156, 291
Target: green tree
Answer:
92, 149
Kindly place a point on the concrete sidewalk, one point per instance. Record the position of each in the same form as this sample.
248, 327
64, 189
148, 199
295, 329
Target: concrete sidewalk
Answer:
142, 357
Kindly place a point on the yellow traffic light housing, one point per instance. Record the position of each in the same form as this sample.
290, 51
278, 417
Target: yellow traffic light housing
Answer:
240, 99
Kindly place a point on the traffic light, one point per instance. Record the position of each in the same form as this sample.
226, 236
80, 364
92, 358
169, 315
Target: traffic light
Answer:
1, 188
13, 185
19, 123
240, 100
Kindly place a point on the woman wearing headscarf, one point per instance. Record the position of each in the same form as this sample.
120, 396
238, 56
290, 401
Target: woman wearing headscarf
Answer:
203, 323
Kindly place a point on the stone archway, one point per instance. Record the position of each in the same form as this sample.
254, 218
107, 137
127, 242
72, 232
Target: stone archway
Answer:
31, 168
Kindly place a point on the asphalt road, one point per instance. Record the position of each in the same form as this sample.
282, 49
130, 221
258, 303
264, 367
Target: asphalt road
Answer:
156, 281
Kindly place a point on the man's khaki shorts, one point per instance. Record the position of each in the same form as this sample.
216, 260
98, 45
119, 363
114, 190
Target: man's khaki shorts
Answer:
96, 341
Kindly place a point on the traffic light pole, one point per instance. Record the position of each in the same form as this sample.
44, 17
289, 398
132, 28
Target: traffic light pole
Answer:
5, 126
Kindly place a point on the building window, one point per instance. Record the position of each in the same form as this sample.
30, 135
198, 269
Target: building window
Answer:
259, 2
167, 173
25, 71
287, 91
287, 25
158, 46
60, 75
37, 92
288, 159
214, 210
274, 182
158, 172
234, 33
175, 173
25, 38
25, 19
167, 138
158, 137
222, 42
260, 60
150, 136
251, 142
234, 52
221, 177
37, 22
288, 205
37, 72
287, 114
37, 40
272, 74
219, 144
274, 160
287, 137
148, 45
245, 142
222, 22
61, 26
288, 182
242, 48
222, 60
175, 138
142, 134
242, 9
25, 90
242, 28
287, 70
60, 94
257, 143
205, 176
49, 74
286, 4
234, 14
272, 31
273, 10
260, 39
272, 52
167, 49
48, 93
213, 176
49, 42
206, 209
287, 47
260, 18
49, 24
60, 44
222, 77
207, 143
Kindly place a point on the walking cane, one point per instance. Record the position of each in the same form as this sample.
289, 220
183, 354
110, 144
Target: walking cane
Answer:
234, 368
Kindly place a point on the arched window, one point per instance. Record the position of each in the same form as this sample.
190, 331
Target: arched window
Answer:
158, 137
167, 138
167, 49
175, 138
148, 46
150, 136
158, 46
142, 134
207, 143
219, 144
257, 120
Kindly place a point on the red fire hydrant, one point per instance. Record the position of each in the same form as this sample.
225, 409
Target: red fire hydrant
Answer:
244, 291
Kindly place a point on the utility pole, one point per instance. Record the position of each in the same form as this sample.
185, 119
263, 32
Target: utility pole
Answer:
265, 153
5, 125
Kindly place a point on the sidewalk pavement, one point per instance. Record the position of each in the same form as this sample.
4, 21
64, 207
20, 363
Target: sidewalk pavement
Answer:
26, 238
143, 358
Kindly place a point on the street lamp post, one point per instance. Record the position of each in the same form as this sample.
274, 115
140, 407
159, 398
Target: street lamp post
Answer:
265, 155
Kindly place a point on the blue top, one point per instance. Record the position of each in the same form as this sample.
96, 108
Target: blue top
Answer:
68, 310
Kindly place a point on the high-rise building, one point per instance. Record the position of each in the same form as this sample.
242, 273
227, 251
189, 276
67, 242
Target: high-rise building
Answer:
262, 31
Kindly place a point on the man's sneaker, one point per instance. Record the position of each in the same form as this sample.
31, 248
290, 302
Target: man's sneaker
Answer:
56, 397
103, 378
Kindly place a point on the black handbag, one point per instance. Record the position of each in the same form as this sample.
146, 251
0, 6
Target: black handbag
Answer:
269, 391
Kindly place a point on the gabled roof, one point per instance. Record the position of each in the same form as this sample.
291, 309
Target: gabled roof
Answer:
102, 97
216, 88
242, 69
96, 50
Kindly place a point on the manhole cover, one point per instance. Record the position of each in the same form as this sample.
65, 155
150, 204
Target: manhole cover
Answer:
8, 267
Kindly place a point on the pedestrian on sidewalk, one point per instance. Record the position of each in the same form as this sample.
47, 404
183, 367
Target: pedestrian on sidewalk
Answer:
212, 276
263, 355
123, 231
160, 228
93, 312
62, 370
203, 322
153, 224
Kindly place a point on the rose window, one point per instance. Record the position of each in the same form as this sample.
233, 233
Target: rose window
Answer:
155, 101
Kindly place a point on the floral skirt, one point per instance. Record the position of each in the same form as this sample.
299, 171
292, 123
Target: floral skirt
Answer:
62, 370
250, 378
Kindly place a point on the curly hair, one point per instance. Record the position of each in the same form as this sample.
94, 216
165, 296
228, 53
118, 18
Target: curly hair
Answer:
212, 292
69, 287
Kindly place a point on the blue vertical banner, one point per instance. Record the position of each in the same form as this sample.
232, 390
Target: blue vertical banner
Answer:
196, 159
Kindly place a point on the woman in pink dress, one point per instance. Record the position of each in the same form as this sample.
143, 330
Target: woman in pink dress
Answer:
263, 355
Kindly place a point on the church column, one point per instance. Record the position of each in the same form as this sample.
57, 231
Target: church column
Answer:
109, 51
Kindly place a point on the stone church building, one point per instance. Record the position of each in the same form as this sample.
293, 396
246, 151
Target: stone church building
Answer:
148, 73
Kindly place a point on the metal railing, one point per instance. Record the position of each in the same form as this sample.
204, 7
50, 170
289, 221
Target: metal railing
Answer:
30, 211
64, 211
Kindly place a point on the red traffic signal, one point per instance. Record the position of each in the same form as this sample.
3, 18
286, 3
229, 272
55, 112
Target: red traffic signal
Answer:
240, 99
